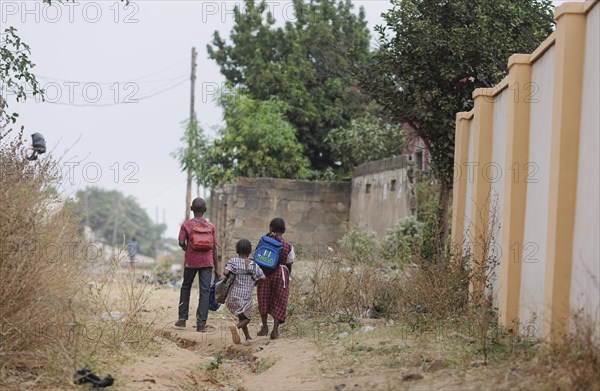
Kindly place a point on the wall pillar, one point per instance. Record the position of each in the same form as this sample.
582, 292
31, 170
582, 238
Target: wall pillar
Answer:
461, 157
482, 156
515, 190
566, 117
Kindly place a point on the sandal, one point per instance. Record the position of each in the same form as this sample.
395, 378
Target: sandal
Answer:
264, 330
234, 335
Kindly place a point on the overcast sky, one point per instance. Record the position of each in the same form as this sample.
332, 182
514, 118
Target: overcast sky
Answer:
118, 77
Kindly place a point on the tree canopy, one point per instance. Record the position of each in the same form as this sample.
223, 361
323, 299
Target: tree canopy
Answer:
113, 218
307, 64
366, 139
257, 141
433, 54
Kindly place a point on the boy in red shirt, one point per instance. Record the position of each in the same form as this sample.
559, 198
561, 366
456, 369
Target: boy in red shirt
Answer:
201, 262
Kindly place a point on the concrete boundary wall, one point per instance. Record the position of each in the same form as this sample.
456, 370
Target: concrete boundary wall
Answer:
538, 150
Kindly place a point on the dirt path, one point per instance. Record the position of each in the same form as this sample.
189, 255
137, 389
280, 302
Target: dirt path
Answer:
184, 356
371, 357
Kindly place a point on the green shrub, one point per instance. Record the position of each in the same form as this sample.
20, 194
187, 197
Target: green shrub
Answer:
402, 241
430, 240
428, 192
359, 246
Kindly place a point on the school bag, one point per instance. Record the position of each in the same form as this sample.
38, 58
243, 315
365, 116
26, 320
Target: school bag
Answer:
223, 286
202, 236
267, 253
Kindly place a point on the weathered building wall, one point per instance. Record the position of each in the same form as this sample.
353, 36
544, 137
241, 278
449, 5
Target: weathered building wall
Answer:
315, 213
381, 195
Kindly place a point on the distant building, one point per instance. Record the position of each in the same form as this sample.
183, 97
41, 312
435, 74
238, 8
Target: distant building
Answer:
416, 150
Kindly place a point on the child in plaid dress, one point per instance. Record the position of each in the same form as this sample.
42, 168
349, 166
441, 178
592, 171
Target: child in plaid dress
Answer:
239, 298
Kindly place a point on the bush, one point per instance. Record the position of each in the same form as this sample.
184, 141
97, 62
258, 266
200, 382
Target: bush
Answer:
54, 316
402, 241
39, 276
442, 292
428, 251
428, 193
359, 246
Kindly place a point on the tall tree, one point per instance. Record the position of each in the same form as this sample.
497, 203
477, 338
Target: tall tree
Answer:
433, 53
257, 141
307, 64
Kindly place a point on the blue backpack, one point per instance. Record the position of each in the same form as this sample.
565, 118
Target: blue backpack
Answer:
267, 252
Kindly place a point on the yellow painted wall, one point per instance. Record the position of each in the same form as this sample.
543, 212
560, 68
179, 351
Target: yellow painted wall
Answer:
558, 261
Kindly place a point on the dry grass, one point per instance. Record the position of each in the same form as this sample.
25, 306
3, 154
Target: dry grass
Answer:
39, 276
342, 289
573, 362
53, 316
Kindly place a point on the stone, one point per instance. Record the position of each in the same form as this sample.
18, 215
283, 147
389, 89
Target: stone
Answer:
479, 363
412, 376
436, 365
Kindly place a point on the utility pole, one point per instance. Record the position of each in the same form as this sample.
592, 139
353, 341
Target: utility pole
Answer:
188, 196
116, 213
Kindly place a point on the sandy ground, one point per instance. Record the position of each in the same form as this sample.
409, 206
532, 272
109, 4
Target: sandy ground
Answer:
189, 360
185, 354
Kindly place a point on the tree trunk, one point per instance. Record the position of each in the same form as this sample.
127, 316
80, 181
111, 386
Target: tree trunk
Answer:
188, 195
444, 201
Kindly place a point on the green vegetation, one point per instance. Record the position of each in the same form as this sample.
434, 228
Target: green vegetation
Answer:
365, 139
402, 241
359, 246
257, 141
308, 64
15, 72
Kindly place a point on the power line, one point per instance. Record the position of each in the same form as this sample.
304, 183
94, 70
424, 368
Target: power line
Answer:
112, 83
121, 81
120, 103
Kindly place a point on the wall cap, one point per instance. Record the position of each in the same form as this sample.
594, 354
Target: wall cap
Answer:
466, 115
519, 59
393, 163
543, 47
569, 8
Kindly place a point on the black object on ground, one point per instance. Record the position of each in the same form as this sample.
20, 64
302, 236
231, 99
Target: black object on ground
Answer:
85, 375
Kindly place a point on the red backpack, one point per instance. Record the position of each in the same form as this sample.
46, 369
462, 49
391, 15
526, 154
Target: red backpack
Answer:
202, 236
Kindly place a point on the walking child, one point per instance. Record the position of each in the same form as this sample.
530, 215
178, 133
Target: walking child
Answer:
197, 237
274, 291
239, 298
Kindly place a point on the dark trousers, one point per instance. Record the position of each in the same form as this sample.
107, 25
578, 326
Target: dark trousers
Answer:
204, 276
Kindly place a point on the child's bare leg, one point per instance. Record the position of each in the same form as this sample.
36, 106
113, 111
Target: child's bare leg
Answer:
246, 332
275, 332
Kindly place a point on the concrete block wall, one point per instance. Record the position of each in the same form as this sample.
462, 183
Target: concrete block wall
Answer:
315, 213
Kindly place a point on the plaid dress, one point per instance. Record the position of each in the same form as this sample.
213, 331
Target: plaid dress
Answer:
274, 291
239, 298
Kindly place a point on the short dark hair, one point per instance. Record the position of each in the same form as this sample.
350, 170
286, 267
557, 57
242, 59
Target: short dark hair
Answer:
243, 247
277, 225
198, 205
